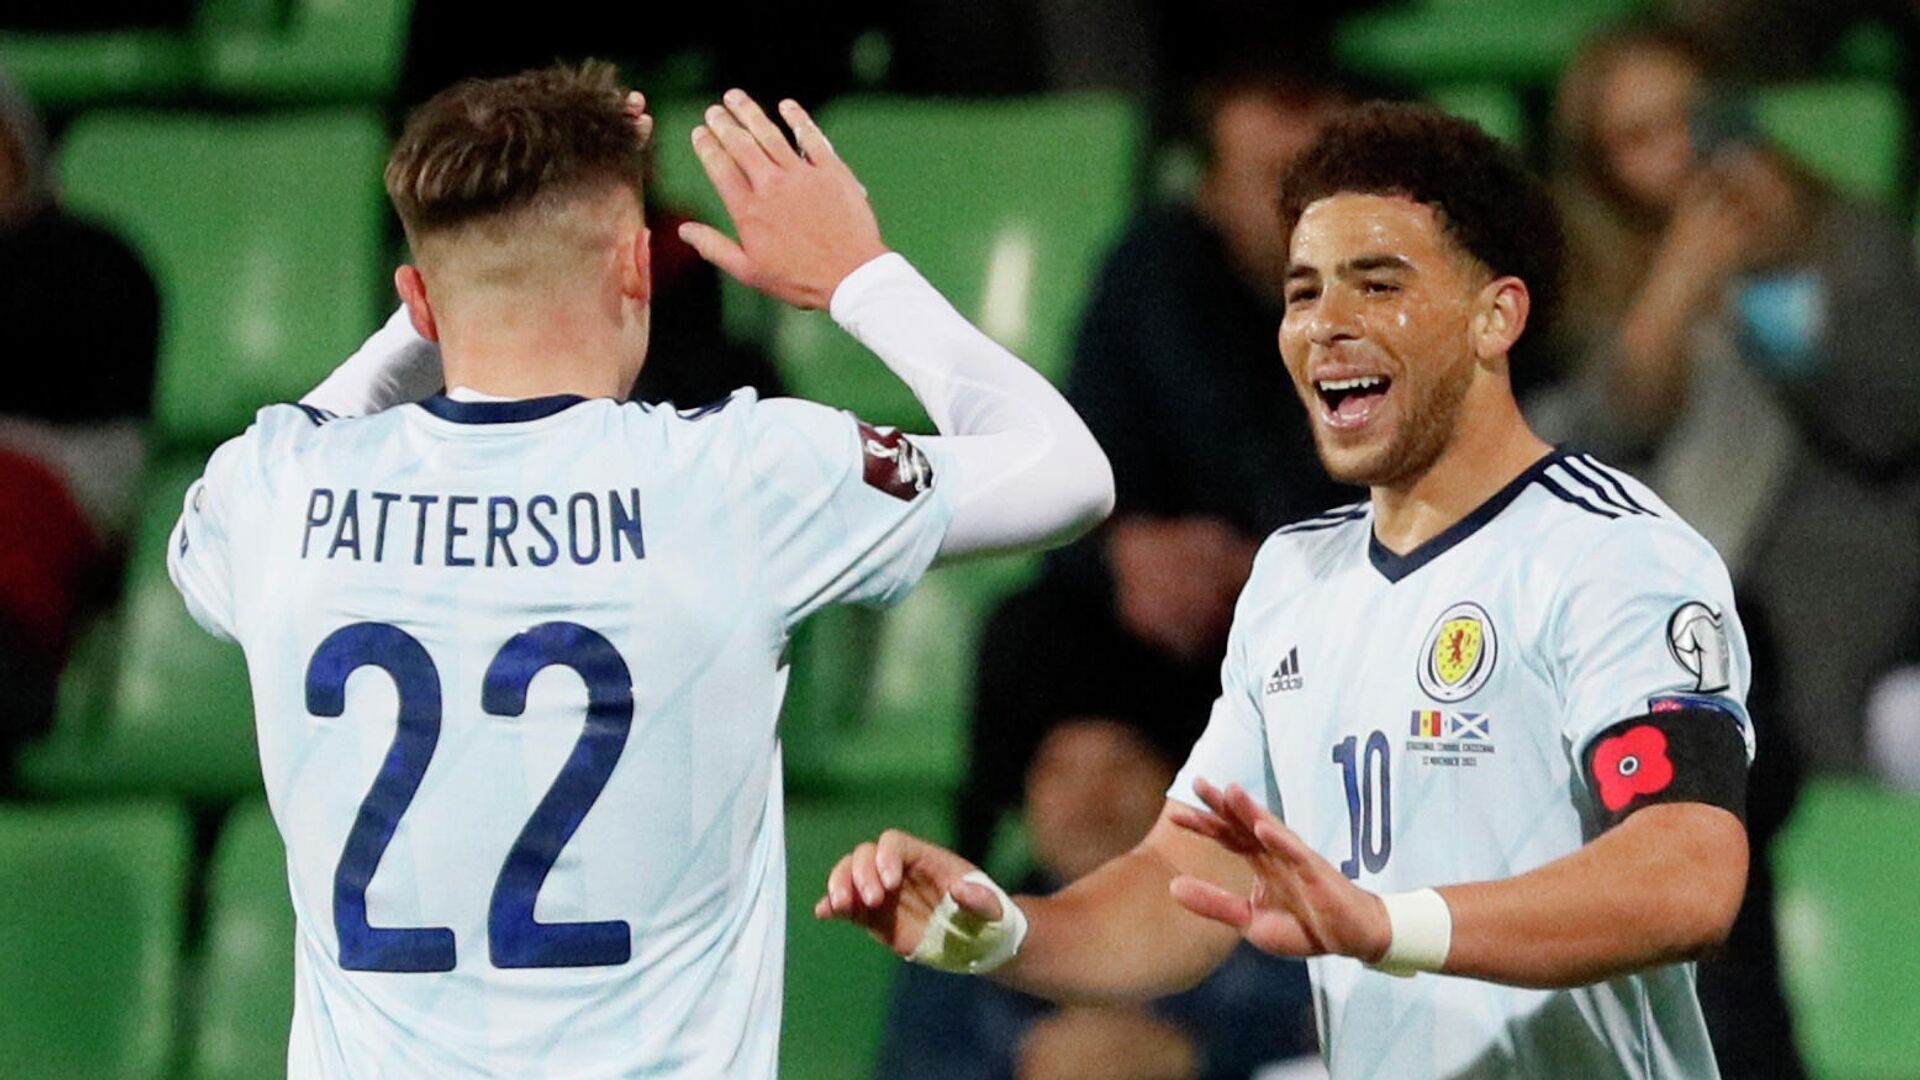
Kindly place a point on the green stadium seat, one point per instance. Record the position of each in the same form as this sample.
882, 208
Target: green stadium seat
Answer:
1493, 106
302, 50
1007, 207
69, 71
266, 236
678, 179
246, 970
179, 719
1515, 41
95, 902
883, 700
1853, 133
838, 980
1849, 929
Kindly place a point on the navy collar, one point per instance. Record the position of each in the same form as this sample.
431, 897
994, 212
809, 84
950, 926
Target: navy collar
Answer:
498, 412
1396, 567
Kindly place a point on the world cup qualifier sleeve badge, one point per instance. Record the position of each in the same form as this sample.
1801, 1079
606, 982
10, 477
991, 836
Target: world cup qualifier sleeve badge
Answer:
893, 464
1459, 653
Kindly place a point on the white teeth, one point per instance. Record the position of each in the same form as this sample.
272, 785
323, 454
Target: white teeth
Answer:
1364, 382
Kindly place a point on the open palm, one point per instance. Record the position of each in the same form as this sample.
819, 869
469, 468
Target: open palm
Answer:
1298, 905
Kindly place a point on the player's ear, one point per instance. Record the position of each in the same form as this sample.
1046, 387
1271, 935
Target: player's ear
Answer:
1499, 315
413, 292
636, 278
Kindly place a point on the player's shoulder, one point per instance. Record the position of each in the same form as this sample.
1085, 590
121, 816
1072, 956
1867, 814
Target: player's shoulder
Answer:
277, 430
794, 433
1313, 545
1589, 518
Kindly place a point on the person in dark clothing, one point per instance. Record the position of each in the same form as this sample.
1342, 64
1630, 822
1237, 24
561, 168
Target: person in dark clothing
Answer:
71, 450
1177, 373
1094, 789
1748, 1019
690, 360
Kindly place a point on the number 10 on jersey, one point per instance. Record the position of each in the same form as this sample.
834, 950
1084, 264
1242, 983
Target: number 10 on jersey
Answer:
1369, 783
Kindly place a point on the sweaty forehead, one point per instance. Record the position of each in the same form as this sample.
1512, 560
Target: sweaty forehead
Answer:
1341, 228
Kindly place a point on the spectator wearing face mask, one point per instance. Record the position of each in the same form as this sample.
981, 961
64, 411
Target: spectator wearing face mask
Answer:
1744, 336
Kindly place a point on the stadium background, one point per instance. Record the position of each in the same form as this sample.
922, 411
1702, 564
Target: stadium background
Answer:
146, 931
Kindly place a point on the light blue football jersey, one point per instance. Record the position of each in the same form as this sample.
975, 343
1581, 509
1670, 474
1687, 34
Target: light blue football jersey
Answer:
515, 669
1419, 720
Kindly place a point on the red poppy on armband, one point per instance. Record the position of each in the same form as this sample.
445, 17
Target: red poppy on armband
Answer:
1634, 763
1693, 753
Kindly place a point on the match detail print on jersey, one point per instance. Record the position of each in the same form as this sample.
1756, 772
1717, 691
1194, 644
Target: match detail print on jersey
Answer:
1459, 653
893, 464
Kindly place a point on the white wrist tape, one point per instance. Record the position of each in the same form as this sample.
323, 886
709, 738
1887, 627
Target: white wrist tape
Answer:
1422, 926
963, 942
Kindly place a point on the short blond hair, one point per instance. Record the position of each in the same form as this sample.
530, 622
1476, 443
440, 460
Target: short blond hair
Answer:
493, 148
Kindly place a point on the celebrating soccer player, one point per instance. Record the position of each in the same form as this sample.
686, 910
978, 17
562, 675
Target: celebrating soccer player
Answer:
1485, 729
516, 649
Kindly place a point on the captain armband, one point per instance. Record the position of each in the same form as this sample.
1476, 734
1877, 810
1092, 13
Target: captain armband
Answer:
1684, 750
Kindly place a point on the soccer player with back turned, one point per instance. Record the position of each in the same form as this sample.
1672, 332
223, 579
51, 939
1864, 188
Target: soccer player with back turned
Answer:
516, 649
1485, 730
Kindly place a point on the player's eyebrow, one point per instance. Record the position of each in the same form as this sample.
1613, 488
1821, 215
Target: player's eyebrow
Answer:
1301, 270
1366, 263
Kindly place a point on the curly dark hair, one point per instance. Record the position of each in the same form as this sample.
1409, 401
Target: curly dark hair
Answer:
1490, 204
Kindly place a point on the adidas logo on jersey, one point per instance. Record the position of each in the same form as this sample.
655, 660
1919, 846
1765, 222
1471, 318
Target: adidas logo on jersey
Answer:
1287, 675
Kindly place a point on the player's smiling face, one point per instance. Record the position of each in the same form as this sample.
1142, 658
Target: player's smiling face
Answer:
1378, 333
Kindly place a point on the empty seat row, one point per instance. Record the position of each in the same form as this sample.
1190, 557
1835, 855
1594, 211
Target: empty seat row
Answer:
246, 50
101, 983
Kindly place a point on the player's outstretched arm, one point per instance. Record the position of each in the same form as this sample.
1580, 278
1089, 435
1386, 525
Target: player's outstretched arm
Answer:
1660, 887
1026, 471
1114, 935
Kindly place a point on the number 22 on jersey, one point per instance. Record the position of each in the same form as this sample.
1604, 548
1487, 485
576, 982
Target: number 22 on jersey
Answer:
514, 938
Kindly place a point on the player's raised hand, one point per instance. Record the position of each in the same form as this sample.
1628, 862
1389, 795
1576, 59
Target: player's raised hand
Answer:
1300, 904
802, 218
891, 886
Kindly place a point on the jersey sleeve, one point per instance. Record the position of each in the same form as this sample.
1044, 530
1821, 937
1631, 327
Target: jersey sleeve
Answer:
199, 549
1645, 625
1233, 748
849, 513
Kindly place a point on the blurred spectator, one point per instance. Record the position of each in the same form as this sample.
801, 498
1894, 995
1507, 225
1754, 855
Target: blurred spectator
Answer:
1742, 337
1177, 372
1094, 789
71, 445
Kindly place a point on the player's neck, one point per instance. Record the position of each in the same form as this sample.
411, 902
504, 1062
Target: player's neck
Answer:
511, 358
1491, 446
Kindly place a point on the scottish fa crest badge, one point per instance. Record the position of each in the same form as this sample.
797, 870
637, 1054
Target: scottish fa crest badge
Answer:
1459, 653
